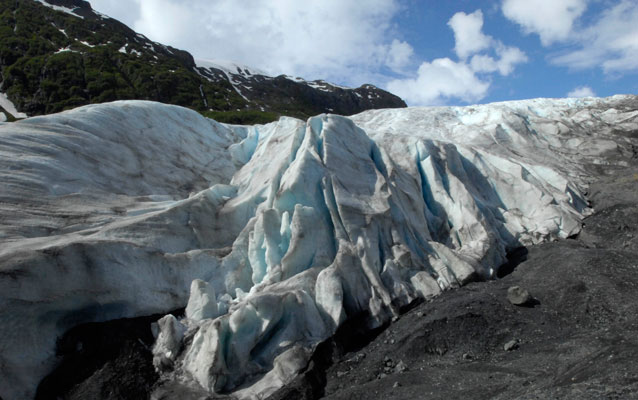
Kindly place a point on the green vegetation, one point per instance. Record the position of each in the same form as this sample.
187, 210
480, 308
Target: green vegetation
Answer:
248, 117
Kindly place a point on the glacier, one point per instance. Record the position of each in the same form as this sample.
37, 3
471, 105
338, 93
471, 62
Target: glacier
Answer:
272, 236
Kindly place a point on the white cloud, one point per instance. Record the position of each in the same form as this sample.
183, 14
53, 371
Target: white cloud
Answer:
582, 91
440, 80
443, 79
552, 20
117, 9
468, 35
610, 43
483, 63
169, 22
508, 58
399, 55
332, 39
337, 40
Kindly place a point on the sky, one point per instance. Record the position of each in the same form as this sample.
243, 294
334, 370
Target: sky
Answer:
428, 52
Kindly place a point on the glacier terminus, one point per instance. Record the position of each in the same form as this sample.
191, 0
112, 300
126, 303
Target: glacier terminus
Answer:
272, 236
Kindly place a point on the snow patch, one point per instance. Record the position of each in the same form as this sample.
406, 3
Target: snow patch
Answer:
317, 84
230, 70
10, 107
65, 49
230, 67
69, 11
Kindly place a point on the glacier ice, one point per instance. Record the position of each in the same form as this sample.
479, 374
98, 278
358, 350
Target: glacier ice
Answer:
272, 235
169, 339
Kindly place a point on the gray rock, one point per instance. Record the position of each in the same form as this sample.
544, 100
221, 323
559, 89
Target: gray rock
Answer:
519, 296
357, 358
511, 345
401, 367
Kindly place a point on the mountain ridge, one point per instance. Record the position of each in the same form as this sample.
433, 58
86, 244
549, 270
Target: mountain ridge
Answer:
61, 54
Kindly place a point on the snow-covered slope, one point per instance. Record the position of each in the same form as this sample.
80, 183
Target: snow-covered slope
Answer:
67, 10
293, 95
280, 232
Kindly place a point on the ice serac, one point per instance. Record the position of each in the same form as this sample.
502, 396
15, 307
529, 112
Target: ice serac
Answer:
281, 232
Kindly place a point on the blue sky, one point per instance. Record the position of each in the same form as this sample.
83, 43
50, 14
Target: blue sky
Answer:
429, 52
540, 75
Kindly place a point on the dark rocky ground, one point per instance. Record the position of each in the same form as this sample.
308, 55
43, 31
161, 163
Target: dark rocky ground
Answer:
578, 340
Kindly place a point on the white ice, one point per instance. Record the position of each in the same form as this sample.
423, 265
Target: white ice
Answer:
279, 232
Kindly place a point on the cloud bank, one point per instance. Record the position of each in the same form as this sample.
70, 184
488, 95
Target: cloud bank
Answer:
552, 20
610, 42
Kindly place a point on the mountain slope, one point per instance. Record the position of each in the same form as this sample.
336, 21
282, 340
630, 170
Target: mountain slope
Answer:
60, 54
280, 232
295, 95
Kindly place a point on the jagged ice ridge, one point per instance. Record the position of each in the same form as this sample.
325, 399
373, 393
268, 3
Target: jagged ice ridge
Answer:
272, 235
